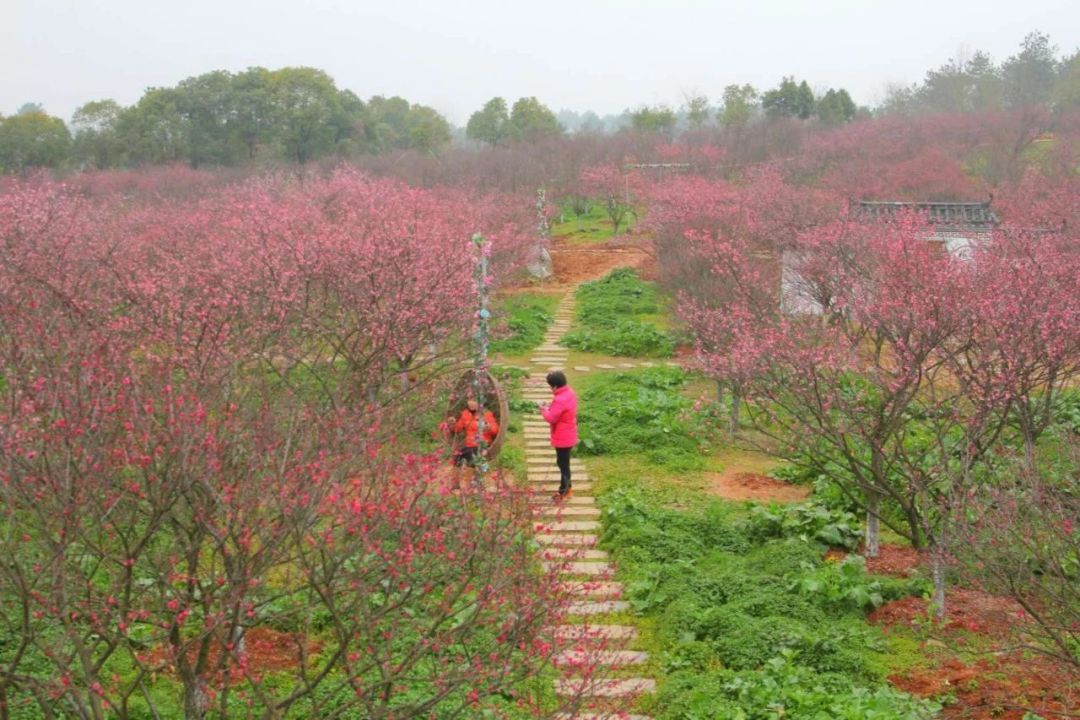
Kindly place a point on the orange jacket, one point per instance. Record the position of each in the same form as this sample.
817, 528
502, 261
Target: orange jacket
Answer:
469, 424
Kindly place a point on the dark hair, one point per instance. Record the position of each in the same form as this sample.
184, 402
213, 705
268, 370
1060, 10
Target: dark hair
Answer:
556, 378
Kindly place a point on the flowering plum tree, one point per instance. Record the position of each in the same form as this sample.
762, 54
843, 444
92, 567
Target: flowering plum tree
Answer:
900, 383
197, 453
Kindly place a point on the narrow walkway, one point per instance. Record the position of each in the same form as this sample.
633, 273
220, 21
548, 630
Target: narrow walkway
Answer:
568, 535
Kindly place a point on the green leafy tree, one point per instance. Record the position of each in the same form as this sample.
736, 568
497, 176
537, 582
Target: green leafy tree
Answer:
490, 124
697, 111
251, 122
428, 130
987, 87
32, 139
97, 141
740, 105
962, 86
1067, 84
836, 107
206, 102
531, 120
348, 123
789, 100
154, 131
304, 101
1029, 75
659, 120
388, 119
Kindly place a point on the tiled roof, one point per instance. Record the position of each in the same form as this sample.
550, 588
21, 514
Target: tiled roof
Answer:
946, 214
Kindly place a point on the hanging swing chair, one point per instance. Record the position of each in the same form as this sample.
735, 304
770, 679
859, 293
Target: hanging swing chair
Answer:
482, 385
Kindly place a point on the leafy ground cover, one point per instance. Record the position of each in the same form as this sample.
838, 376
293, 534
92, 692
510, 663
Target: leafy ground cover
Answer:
750, 620
641, 412
522, 320
619, 315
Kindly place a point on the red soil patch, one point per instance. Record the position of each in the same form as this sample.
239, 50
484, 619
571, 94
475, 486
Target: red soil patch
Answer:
1001, 681
751, 486
265, 649
577, 263
895, 560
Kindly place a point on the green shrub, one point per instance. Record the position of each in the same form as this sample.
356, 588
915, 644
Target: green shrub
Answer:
809, 522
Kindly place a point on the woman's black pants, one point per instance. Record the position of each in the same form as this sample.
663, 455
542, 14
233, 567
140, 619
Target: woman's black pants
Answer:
562, 459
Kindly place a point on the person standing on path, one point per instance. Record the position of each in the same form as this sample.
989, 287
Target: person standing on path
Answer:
561, 415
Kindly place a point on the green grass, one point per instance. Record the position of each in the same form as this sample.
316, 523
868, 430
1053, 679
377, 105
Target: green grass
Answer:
617, 315
592, 226
640, 412
521, 321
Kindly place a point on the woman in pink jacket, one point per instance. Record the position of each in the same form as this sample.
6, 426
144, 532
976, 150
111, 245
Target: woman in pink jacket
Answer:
561, 414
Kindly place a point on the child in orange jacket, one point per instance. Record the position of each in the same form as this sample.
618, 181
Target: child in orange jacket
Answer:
469, 423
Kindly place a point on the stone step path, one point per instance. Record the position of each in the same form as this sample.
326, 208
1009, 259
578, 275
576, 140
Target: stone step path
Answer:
567, 535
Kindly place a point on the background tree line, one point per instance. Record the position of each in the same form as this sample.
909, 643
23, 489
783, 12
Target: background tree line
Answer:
295, 114
298, 114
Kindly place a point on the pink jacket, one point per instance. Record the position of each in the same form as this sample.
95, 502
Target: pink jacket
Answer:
561, 414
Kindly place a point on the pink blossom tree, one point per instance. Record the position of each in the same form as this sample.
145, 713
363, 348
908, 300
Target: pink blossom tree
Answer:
170, 483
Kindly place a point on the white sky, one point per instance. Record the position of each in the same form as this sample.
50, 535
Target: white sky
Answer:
603, 55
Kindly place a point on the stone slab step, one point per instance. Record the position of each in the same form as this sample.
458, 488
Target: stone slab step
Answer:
568, 511
542, 500
597, 608
606, 658
548, 487
567, 526
575, 478
602, 569
572, 554
565, 539
594, 632
627, 687
594, 589
600, 716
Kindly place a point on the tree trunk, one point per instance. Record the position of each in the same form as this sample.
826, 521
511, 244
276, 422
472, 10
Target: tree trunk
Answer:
873, 530
937, 573
733, 420
196, 700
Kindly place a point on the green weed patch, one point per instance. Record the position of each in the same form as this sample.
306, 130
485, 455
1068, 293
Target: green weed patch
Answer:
615, 318
521, 322
640, 412
751, 621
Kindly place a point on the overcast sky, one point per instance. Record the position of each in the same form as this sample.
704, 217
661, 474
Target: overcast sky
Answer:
603, 55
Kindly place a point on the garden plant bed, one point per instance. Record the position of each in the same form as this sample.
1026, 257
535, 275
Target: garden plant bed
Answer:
976, 660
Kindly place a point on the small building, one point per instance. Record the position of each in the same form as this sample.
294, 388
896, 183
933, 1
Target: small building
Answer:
955, 226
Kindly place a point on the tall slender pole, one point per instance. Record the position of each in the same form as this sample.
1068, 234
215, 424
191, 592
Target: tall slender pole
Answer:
481, 337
